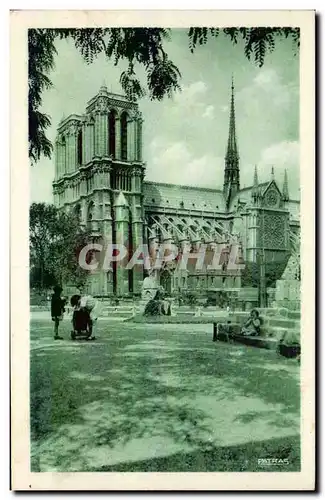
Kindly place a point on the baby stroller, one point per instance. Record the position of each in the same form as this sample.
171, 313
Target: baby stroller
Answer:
81, 321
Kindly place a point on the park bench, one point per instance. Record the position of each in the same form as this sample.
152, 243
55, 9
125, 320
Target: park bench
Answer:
217, 332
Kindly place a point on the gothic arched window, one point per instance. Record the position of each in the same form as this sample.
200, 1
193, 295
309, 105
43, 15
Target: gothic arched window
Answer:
90, 215
124, 136
79, 147
77, 212
112, 134
64, 155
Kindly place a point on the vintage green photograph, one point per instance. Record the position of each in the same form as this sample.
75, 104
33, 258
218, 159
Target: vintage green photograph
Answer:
164, 227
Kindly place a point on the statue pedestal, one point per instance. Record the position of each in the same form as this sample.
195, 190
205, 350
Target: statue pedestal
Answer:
287, 294
148, 292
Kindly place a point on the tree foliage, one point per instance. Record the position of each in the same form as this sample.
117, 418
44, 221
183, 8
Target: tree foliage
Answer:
257, 41
137, 47
56, 239
273, 272
41, 53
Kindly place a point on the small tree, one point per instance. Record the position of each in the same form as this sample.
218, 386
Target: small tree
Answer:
273, 272
42, 229
56, 239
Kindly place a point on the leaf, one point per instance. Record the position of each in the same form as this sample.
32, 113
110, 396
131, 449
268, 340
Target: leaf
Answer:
142, 46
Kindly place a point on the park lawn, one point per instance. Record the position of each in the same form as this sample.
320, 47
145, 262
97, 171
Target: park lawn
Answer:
160, 398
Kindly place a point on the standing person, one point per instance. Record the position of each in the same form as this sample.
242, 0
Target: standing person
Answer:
57, 310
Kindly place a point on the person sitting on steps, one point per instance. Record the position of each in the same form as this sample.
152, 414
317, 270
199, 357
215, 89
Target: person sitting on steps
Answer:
252, 327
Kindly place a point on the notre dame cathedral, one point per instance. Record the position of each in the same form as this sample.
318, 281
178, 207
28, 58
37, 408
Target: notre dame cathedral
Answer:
100, 174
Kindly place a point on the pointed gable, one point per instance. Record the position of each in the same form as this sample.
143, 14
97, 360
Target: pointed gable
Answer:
271, 195
270, 186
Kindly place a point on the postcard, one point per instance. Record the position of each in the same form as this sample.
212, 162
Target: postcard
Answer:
162, 273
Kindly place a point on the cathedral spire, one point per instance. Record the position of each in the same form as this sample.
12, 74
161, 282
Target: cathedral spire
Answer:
103, 88
232, 143
285, 189
255, 178
272, 173
231, 175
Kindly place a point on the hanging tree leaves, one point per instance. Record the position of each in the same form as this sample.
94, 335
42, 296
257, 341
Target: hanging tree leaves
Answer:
257, 41
136, 46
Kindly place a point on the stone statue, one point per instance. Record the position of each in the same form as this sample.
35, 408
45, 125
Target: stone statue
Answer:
149, 287
153, 297
158, 305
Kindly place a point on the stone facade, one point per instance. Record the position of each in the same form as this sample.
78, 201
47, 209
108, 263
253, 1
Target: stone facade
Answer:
99, 174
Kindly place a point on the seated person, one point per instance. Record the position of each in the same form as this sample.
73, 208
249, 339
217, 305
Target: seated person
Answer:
158, 305
253, 324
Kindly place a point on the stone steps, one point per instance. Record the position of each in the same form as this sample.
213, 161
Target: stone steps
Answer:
280, 311
268, 321
283, 323
261, 342
277, 332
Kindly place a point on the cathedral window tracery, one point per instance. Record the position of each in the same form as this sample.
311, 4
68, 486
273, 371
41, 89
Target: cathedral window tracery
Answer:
79, 147
64, 154
90, 215
124, 136
273, 230
112, 134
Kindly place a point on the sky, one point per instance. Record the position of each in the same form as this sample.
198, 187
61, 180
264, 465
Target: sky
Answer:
185, 137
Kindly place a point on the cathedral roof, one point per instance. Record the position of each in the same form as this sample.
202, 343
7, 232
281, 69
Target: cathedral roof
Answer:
245, 194
187, 197
249, 188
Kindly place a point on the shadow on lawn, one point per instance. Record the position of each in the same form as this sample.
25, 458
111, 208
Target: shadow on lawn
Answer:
138, 395
239, 458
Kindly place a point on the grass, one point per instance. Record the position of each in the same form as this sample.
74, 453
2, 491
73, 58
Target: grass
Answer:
159, 398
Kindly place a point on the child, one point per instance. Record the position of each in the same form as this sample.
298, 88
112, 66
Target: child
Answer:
253, 324
57, 310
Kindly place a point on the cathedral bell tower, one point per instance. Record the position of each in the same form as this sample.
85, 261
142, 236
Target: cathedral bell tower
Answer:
99, 175
231, 174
